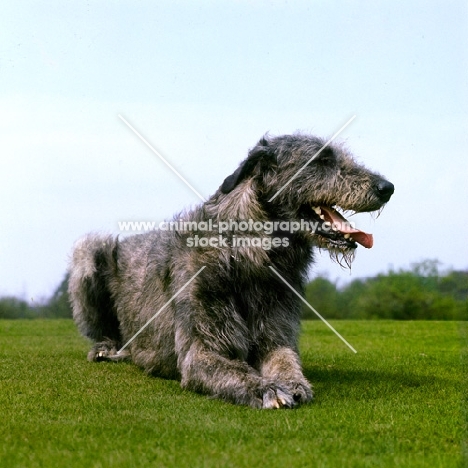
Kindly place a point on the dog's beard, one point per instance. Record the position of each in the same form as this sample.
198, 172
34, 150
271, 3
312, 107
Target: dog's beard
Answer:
341, 254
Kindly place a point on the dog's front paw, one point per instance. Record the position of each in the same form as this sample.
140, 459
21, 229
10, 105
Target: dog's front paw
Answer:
287, 395
300, 391
274, 398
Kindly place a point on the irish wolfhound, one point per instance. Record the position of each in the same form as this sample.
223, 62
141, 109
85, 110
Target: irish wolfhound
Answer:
232, 332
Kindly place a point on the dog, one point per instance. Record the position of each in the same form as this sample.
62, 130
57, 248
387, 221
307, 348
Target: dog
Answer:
208, 310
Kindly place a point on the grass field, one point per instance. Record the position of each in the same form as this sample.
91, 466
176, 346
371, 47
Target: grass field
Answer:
401, 401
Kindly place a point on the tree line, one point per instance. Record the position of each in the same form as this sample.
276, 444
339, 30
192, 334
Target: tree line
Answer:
422, 292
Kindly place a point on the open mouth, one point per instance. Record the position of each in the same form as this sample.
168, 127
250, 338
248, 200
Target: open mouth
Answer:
339, 231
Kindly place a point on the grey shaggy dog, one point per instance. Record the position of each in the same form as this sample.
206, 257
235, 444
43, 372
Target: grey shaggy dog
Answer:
232, 333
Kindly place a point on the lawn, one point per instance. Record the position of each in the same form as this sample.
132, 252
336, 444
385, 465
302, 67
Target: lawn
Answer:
400, 401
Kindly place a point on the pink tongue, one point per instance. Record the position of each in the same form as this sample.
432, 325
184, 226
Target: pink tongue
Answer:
332, 216
366, 240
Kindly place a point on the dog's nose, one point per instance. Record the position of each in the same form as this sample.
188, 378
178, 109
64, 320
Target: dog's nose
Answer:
385, 189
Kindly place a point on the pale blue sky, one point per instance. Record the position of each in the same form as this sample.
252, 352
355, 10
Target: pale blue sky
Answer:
202, 81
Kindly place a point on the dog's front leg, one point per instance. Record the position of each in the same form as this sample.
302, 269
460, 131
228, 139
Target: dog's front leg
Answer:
208, 372
282, 366
233, 380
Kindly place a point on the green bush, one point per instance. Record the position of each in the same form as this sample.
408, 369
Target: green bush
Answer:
420, 293
13, 308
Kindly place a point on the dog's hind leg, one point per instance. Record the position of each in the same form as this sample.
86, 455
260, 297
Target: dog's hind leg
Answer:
107, 351
93, 268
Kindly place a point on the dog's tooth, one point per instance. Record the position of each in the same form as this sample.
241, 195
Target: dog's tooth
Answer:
322, 216
317, 209
282, 401
347, 236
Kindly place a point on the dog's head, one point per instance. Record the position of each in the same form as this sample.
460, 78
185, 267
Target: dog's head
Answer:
302, 177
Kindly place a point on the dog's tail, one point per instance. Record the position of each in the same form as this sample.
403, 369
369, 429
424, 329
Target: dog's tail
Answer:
92, 270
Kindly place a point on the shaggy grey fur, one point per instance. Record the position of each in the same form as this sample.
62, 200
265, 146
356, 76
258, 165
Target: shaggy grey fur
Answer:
233, 332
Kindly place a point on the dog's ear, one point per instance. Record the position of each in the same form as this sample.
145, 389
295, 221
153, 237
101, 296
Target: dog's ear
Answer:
326, 155
261, 155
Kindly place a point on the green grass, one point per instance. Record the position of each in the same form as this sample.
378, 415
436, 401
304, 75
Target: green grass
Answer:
401, 401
